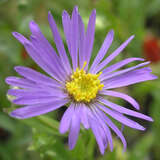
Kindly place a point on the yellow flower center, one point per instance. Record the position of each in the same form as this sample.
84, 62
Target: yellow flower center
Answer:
83, 86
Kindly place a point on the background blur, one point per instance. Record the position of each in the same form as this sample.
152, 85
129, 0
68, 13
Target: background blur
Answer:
37, 138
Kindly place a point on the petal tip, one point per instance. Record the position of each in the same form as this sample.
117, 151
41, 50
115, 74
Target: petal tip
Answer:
64, 13
152, 120
15, 34
102, 151
49, 15
61, 130
155, 77
142, 128
8, 79
111, 149
71, 146
139, 127
49, 12
130, 38
111, 31
76, 8
33, 26
141, 59
19, 37
94, 11
15, 115
16, 68
32, 22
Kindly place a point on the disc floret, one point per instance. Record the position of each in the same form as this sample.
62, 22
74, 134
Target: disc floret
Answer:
83, 86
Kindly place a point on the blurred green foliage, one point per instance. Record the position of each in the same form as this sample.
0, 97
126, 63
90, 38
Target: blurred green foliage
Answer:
37, 138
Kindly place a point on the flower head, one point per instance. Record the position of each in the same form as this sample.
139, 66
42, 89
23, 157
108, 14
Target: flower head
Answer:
84, 88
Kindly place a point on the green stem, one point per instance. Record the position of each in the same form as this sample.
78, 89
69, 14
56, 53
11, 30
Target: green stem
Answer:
49, 122
44, 123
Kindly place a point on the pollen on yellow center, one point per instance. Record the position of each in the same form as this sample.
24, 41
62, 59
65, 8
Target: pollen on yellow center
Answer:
83, 86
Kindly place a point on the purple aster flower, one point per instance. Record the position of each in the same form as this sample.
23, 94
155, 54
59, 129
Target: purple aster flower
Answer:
85, 89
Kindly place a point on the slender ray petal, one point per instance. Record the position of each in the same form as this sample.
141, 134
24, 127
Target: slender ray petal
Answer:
121, 95
28, 84
37, 58
36, 76
36, 54
20, 37
96, 131
113, 55
107, 76
84, 118
74, 38
66, 119
36, 110
106, 129
129, 78
74, 128
38, 99
51, 64
102, 134
59, 43
67, 27
120, 64
33, 53
113, 127
41, 43
27, 92
20, 82
119, 117
103, 50
35, 30
123, 110
81, 41
90, 36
